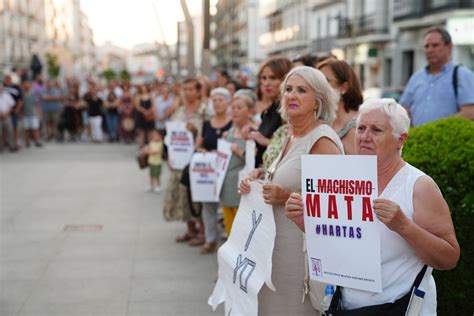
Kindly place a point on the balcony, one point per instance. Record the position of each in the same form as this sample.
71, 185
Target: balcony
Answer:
409, 9
323, 44
376, 23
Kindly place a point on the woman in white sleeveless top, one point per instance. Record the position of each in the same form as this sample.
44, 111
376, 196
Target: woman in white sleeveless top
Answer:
417, 228
308, 104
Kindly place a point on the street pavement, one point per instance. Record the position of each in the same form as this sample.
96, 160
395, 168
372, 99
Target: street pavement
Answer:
79, 236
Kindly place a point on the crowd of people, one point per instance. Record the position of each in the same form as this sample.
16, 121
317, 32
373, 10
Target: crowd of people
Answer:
316, 106
308, 105
41, 111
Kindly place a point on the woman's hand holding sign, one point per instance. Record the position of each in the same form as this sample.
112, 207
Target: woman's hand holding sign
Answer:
294, 210
390, 214
275, 194
244, 186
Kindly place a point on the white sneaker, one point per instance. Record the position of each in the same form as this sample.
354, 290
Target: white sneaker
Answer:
157, 189
148, 189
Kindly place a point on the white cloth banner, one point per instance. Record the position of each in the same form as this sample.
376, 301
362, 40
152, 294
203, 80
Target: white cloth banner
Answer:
245, 260
249, 159
224, 153
180, 144
202, 175
342, 231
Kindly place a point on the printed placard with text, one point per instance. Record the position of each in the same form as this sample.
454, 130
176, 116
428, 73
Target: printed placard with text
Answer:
342, 231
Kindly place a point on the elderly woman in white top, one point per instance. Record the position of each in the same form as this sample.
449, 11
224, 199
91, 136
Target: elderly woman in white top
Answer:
417, 229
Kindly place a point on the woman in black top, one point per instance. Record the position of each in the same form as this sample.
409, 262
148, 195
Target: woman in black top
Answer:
94, 106
145, 114
72, 112
271, 74
212, 130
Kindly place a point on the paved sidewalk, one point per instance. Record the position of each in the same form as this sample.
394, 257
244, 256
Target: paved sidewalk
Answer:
124, 263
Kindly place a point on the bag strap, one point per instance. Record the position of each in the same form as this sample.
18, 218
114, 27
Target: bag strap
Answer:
420, 276
455, 81
336, 302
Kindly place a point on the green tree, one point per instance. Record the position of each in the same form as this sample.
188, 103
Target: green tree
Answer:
109, 74
53, 65
125, 75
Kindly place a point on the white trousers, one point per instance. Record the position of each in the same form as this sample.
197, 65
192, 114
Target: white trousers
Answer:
96, 127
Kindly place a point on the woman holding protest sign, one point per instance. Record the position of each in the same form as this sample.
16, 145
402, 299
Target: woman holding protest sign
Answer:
309, 106
176, 206
242, 105
417, 229
207, 142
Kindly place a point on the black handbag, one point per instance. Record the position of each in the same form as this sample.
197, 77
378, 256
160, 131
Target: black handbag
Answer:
194, 207
397, 308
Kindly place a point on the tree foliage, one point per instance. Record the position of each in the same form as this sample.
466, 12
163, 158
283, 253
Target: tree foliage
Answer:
109, 74
53, 66
125, 75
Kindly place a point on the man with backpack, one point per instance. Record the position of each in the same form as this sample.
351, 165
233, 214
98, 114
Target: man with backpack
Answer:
441, 89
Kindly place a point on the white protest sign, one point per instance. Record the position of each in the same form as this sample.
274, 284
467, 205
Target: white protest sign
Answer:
342, 231
180, 144
249, 159
245, 260
224, 153
202, 175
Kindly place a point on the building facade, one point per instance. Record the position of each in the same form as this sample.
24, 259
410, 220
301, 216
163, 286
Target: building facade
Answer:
29, 27
112, 57
22, 32
382, 40
70, 37
323, 26
236, 26
181, 52
411, 19
365, 35
288, 27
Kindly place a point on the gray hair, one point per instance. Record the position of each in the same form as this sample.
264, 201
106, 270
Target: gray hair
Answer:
248, 101
246, 92
325, 95
222, 92
397, 115
441, 31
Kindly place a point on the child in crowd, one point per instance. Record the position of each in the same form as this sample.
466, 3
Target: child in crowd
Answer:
154, 149
31, 114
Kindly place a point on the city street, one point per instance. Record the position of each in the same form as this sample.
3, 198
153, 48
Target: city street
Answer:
79, 236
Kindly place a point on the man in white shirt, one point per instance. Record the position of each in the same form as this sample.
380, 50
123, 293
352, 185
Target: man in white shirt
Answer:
6, 126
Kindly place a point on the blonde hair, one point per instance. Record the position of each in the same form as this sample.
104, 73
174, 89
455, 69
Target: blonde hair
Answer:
325, 95
248, 100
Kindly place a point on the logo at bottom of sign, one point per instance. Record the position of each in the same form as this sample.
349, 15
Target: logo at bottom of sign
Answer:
316, 267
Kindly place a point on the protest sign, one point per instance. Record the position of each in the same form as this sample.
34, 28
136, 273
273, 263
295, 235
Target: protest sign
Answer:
245, 260
249, 159
224, 153
202, 175
342, 231
180, 144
